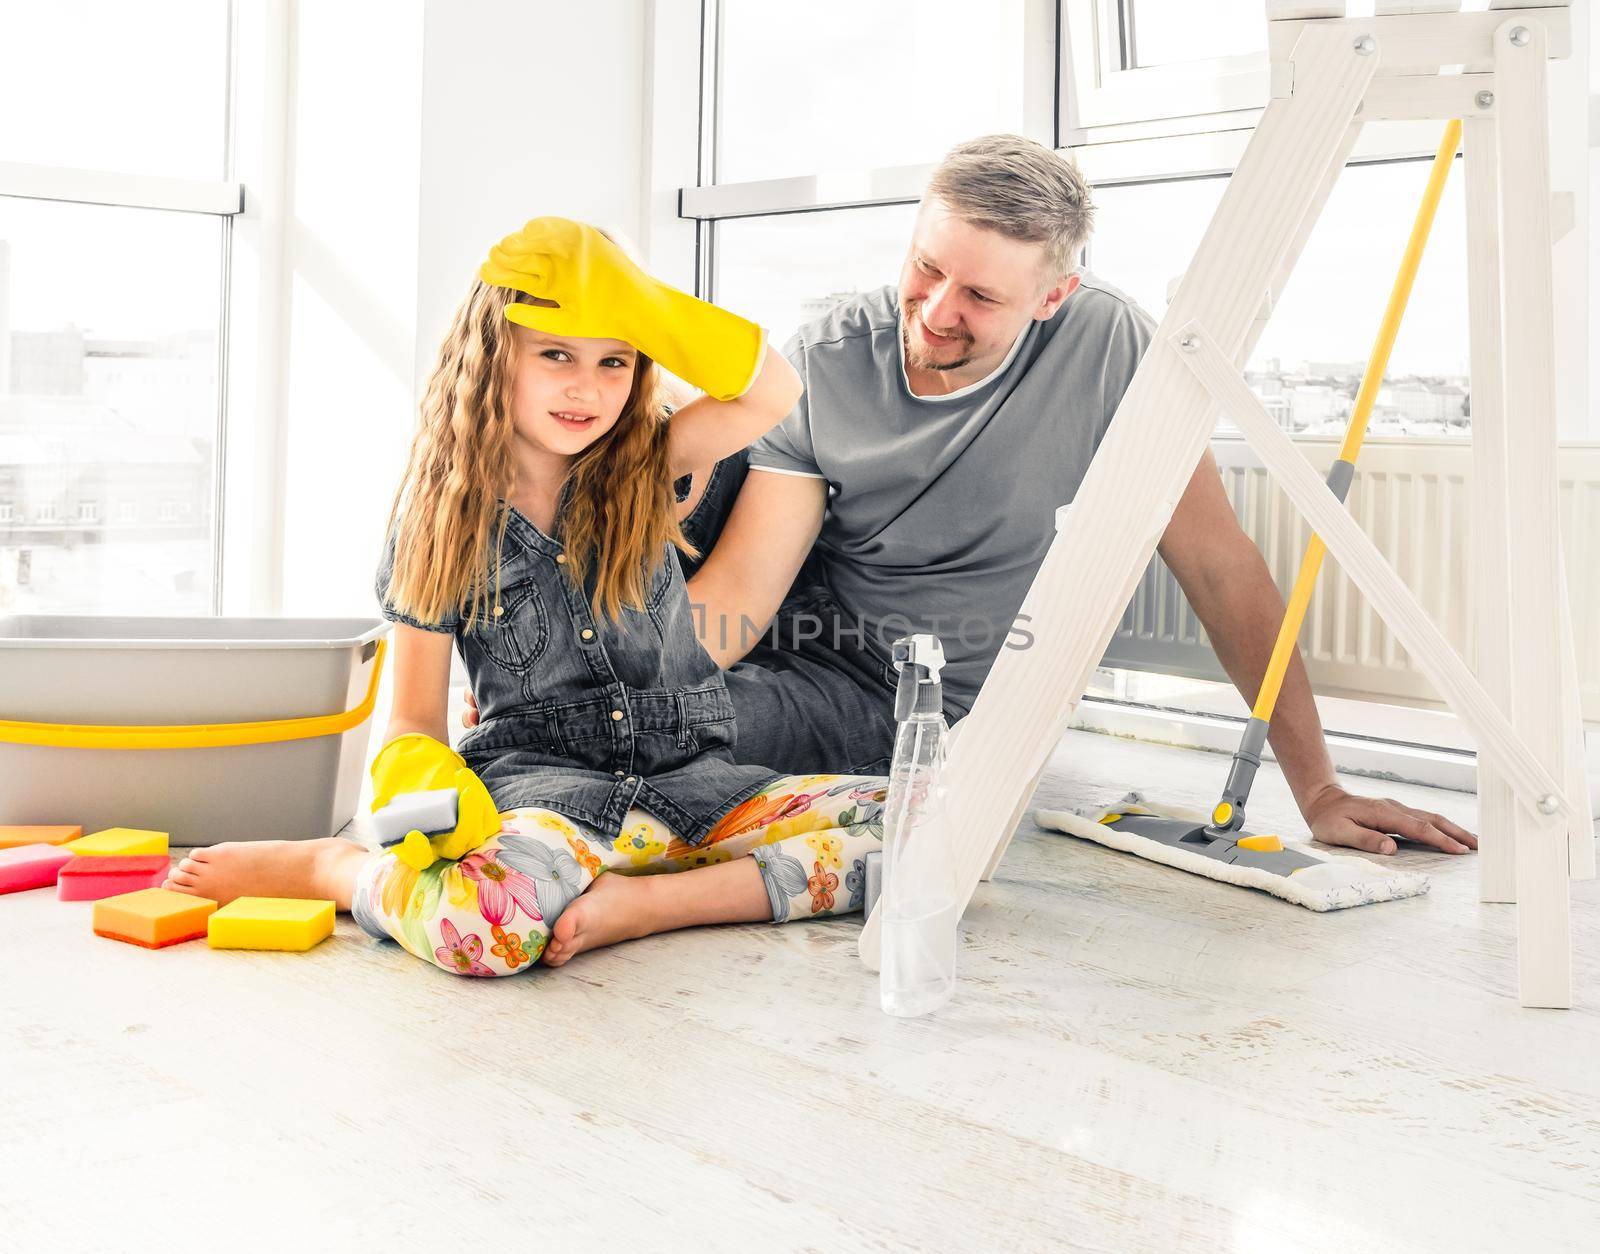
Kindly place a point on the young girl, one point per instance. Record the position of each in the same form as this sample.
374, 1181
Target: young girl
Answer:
534, 530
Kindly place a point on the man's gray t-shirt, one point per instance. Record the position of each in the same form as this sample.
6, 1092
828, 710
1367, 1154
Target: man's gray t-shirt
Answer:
941, 508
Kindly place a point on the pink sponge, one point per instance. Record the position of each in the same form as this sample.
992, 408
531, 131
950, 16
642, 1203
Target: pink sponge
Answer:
89, 878
31, 866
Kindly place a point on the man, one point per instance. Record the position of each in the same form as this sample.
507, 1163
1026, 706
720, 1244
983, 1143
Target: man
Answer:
914, 488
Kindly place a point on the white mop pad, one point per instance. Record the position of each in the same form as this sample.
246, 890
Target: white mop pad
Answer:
1335, 884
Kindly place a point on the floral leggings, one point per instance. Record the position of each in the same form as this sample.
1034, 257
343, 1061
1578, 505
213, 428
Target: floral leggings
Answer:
491, 912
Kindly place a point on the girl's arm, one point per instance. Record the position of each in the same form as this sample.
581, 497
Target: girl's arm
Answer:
705, 430
421, 683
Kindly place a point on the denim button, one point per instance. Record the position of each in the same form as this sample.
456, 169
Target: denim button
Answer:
629, 780
616, 715
561, 557
587, 634
617, 773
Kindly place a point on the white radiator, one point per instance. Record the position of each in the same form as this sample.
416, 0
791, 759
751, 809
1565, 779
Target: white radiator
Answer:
1414, 498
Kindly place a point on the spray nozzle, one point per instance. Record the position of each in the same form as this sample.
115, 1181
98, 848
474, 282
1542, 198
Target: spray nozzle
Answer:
921, 650
919, 659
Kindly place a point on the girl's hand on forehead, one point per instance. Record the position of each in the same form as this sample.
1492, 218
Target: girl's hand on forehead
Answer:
601, 294
578, 276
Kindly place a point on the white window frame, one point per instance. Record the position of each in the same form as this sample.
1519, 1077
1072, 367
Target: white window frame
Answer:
1173, 122
1176, 120
682, 151
7, 511
1098, 92
252, 504
88, 511
221, 198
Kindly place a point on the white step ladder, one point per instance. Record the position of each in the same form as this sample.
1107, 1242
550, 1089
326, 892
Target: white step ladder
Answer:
1330, 75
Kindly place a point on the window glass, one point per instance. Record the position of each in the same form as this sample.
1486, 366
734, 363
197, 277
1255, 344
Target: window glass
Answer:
1308, 364
841, 85
785, 270
1167, 32
108, 408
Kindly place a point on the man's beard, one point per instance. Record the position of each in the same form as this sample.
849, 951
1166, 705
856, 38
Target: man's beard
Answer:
916, 359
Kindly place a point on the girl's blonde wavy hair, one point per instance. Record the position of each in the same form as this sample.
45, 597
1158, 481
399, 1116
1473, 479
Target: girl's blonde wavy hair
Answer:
449, 514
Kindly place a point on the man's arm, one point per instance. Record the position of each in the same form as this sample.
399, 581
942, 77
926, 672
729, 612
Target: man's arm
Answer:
1227, 582
774, 522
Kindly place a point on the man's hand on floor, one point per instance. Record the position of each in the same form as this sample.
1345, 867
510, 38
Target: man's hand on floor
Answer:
469, 716
1337, 817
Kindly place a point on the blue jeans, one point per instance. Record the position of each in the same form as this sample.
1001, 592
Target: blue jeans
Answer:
812, 703
810, 698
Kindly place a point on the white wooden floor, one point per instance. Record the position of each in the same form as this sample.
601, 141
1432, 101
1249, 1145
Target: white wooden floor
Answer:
1135, 1060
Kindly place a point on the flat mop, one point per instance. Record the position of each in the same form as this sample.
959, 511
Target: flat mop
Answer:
1217, 847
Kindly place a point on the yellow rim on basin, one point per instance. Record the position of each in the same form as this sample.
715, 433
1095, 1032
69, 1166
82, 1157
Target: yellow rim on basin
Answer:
198, 735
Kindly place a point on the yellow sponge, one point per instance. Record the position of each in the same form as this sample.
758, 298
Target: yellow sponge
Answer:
270, 923
118, 842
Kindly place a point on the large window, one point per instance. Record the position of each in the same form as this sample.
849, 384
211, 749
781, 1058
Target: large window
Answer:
114, 230
818, 126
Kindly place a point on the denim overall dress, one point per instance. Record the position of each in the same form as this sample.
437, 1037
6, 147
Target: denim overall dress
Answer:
588, 717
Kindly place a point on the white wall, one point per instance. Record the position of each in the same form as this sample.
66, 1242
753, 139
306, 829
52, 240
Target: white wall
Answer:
414, 135
528, 108
352, 258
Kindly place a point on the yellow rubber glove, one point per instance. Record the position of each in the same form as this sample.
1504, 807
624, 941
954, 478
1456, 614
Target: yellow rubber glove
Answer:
417, 763
602, 294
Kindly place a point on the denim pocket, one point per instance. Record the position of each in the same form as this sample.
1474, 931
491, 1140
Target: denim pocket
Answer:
516, 638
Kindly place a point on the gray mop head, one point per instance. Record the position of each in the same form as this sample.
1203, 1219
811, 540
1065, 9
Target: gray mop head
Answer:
1335, 883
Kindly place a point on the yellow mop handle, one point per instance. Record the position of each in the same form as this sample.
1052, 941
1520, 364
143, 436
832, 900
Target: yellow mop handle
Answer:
1311, 564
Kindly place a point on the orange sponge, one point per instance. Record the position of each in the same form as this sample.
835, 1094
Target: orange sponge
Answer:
152, 917
45, 834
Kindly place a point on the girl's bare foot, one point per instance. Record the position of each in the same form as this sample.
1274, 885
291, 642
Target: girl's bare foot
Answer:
625, 907
324, 870
613, 908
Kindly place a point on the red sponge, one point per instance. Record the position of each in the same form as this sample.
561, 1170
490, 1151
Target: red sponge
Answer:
89, 878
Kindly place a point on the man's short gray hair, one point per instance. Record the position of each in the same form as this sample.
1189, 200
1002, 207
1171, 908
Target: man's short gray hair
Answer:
1021, 189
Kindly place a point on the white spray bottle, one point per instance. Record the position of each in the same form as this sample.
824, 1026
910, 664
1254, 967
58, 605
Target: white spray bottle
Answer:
918, 967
